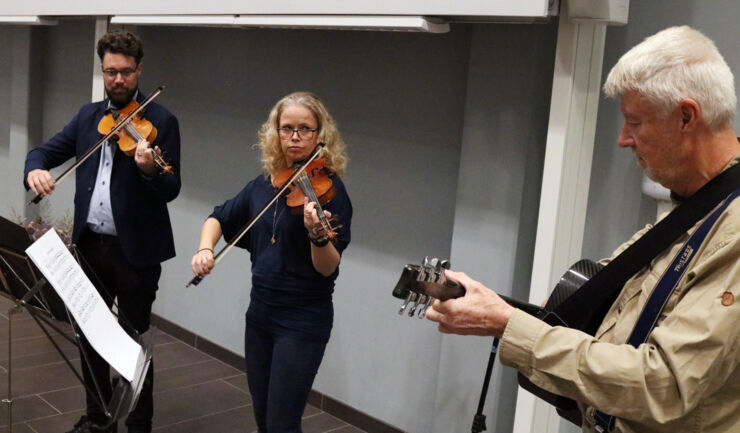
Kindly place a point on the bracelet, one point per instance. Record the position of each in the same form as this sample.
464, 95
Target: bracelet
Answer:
319, 242
204, 249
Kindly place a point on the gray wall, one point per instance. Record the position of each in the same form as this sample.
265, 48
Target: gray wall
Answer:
497, 203
446, 138
446, 146
7, 187
398, 99
65, 60
20, 114
406, 113
616, 206
60, 71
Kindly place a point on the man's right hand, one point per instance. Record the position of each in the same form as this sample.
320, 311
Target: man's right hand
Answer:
480, 312
40, 181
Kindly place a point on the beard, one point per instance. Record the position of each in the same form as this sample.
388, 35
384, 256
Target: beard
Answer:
120, 96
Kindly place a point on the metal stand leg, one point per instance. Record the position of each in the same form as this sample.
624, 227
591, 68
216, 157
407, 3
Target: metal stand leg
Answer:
479, 420
9, 400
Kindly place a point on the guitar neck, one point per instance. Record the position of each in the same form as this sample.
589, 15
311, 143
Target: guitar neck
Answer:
450, 289
531, 309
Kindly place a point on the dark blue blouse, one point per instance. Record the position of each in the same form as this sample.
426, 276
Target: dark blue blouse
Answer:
282, 272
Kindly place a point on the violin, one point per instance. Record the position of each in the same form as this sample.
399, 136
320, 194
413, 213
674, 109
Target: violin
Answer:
136, 129
299, 171
313, 182
107, 135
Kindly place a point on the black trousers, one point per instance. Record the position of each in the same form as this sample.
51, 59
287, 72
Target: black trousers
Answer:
280, 372
135, 290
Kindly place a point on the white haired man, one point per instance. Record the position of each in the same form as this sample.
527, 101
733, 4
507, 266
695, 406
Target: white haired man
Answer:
678, 101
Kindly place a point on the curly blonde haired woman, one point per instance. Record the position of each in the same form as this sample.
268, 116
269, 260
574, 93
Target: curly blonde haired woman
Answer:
290, 314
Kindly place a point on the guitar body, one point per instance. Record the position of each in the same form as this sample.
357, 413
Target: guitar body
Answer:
420, 285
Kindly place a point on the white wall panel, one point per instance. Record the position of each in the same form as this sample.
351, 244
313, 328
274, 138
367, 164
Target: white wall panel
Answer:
502, 8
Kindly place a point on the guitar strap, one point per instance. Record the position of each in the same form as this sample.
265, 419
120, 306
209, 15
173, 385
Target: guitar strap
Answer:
667, 284
586, 307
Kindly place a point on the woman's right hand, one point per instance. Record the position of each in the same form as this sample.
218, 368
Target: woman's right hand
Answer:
203, 261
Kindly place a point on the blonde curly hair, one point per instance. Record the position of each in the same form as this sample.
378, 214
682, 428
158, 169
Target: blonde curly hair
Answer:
273, 159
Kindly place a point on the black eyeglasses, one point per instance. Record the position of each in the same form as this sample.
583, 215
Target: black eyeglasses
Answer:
304, 133
125, 73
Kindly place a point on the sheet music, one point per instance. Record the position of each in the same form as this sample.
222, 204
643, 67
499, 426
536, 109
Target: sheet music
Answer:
94, 318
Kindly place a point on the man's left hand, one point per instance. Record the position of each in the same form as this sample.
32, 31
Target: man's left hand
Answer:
480, 312
144, 157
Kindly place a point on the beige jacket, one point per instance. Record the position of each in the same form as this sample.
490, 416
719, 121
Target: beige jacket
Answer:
684, 379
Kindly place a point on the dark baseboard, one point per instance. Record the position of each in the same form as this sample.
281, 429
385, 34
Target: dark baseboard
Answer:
328, 404
350, 415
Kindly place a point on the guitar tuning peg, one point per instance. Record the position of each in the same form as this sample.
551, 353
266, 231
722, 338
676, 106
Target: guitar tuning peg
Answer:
422, 299
411, 296
423, 309
427, 261
426, 274
445, 264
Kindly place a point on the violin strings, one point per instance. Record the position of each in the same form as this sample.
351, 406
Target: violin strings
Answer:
134, 133
308, 190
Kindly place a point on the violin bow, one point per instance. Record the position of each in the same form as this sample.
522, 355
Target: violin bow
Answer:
226, 248
100, 142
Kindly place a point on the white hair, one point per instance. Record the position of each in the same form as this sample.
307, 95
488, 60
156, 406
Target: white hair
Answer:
673, 64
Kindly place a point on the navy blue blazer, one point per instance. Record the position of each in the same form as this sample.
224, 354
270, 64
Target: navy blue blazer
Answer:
139, 204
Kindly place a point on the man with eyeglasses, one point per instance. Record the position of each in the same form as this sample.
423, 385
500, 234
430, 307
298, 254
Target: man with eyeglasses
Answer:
121, 223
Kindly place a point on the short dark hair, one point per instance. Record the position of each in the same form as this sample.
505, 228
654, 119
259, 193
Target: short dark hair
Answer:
121, 43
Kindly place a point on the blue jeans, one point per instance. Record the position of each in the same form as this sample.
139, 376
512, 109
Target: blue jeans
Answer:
281, 368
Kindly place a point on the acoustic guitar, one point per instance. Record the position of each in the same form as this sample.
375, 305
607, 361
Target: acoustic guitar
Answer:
420, 285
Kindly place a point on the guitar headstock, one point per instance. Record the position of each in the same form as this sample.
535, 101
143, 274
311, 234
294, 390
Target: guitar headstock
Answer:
420, 285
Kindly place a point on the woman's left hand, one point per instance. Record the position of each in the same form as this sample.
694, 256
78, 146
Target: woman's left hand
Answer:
311, 220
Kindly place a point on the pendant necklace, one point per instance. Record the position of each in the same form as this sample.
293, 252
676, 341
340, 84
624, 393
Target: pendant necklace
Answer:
275, 218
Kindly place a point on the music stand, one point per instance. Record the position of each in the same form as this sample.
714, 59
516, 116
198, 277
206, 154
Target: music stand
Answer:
22, 283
